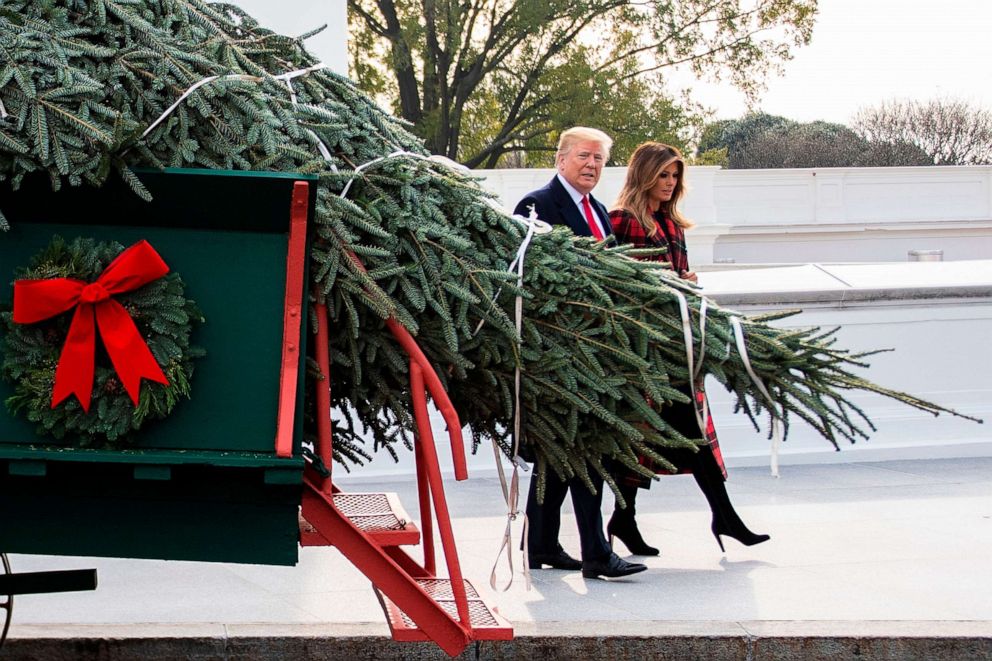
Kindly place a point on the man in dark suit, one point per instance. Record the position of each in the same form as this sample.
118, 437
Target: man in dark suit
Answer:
567, 200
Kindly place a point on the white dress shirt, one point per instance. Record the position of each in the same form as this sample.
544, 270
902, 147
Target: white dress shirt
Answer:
577, 198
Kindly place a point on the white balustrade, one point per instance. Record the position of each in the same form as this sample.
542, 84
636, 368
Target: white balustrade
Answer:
814, 215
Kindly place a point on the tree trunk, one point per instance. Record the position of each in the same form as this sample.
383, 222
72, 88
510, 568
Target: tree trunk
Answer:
406, 75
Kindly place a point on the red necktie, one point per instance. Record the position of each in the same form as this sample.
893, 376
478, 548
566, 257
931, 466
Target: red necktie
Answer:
593, 225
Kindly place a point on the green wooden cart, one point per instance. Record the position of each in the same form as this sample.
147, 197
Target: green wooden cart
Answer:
207, 483
224, 476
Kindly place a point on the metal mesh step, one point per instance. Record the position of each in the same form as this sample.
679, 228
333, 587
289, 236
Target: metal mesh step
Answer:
486, 623
379, 515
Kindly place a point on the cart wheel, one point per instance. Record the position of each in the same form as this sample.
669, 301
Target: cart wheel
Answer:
6, 601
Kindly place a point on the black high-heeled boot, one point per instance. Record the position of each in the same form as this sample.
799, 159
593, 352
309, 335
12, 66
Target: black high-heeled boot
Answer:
726, 521
623, 525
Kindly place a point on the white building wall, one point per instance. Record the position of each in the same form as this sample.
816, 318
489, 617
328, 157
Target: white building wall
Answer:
814, 215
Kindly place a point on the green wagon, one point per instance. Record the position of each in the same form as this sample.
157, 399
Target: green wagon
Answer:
224, 476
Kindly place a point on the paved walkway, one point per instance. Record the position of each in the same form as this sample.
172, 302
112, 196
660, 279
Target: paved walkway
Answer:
901, 544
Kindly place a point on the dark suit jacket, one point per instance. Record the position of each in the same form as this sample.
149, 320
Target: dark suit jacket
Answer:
555, 206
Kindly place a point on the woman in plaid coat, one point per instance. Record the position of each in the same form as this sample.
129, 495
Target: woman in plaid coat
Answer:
647, 216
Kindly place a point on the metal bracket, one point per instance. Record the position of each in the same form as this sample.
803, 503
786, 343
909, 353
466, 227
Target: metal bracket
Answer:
42, 582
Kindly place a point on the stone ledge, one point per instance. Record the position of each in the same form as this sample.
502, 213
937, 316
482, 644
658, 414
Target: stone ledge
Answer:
848, 295
757, 641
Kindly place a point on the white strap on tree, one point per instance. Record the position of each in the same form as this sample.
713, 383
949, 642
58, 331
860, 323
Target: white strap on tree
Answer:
3, 221
776, 416
325, 152
290, 75
693, 367
697, 374
512, 494
402, 153
534, 225
702, 337
192, 88
284, 77
288, 79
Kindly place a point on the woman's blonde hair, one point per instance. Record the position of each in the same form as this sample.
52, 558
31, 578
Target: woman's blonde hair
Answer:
645, 166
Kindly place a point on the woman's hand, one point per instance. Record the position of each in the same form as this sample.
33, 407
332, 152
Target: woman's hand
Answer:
690, 276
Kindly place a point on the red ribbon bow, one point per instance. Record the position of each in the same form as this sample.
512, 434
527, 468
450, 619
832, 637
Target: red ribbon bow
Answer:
37, 300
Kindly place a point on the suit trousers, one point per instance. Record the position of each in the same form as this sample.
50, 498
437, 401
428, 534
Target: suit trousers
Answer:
544, 519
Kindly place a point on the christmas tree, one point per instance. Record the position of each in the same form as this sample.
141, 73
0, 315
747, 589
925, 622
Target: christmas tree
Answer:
91, 89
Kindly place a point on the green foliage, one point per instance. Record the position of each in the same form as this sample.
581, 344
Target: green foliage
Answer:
759, 140
490, 81
601, 331
717, 156
816, 144
163, 316
734, 134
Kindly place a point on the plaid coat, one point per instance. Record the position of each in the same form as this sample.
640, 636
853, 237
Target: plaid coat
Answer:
627, 229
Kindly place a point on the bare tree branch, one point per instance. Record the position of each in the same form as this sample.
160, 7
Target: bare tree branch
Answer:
950, 131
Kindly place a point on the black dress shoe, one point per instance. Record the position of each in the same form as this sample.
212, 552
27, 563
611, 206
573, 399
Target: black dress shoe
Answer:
613, 566
558, 560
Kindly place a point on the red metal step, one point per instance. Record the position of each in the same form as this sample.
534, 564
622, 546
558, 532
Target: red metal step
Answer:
379, 515
368, 529
375, 561
486, 622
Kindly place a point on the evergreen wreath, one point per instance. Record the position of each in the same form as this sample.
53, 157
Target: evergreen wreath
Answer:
162, 314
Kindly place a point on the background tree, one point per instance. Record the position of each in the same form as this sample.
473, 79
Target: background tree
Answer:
796, 145
479, 79
634, 110
949, 131
734, 134
879, 153
759, 140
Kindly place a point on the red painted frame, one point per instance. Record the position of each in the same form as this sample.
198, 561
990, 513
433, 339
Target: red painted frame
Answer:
296, 255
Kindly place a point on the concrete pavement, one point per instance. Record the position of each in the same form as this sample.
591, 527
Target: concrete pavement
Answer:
867, 560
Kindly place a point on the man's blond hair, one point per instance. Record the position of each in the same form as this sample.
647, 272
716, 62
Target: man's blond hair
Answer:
576, 134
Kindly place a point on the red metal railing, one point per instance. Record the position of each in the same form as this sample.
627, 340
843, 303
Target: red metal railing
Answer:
433, 503
429, 471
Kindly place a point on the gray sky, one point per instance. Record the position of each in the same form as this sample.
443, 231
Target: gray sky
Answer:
867, 51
